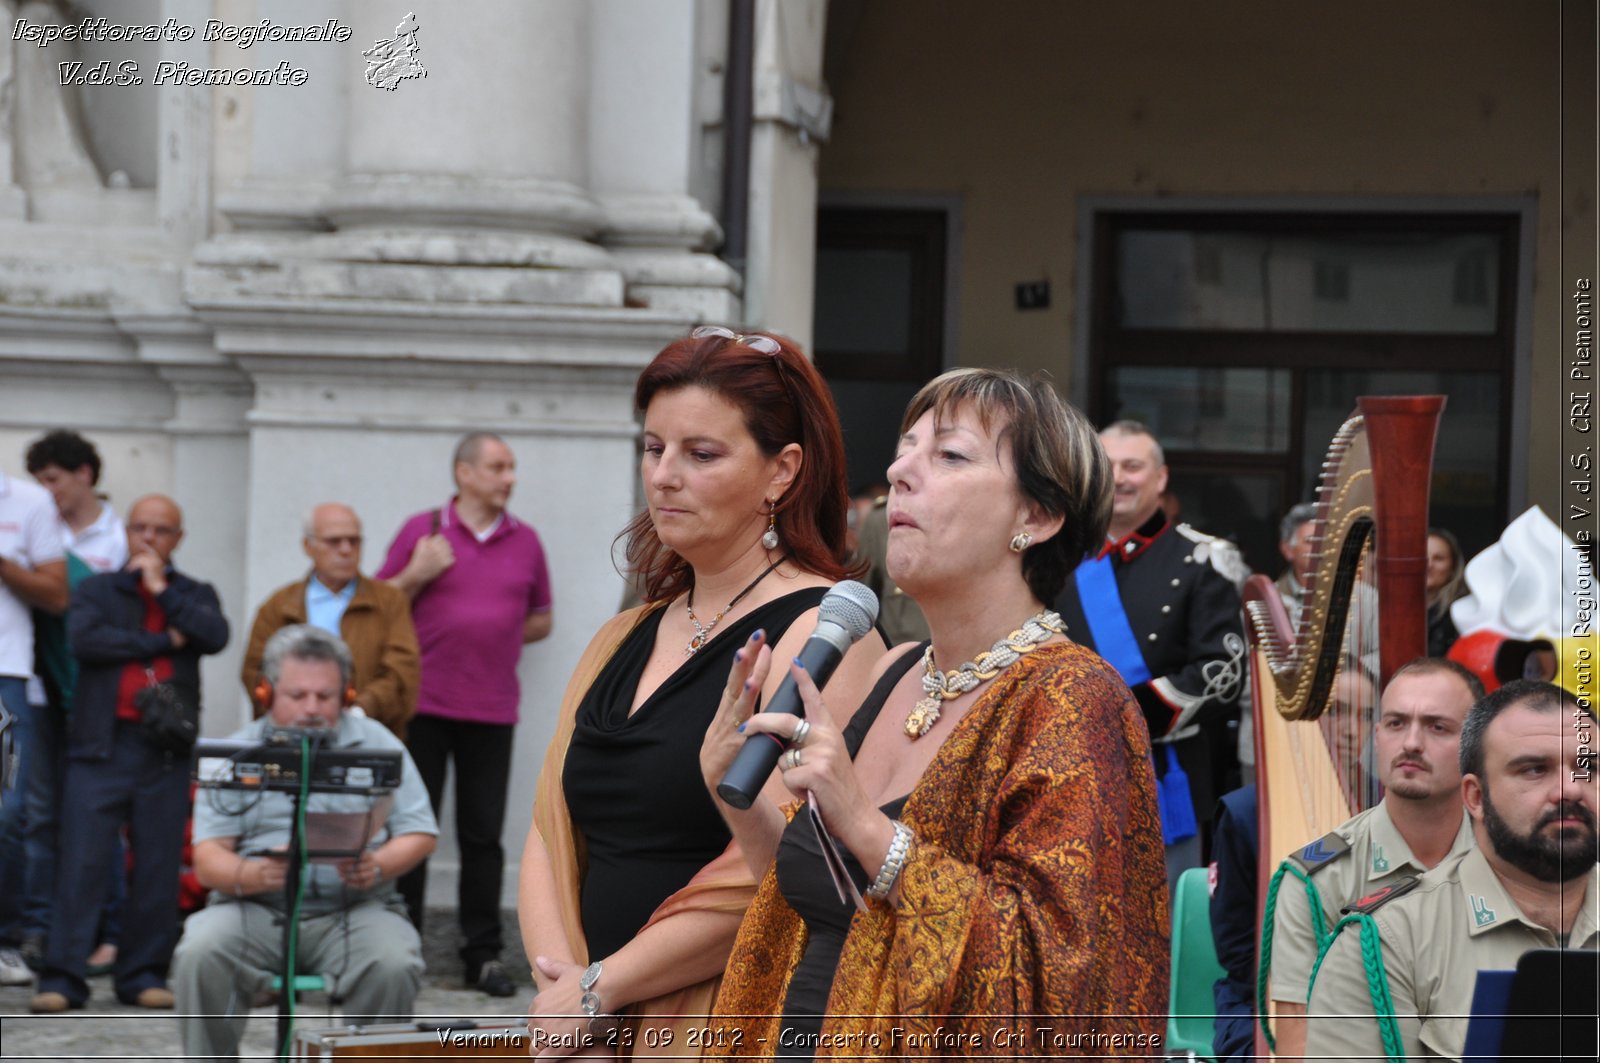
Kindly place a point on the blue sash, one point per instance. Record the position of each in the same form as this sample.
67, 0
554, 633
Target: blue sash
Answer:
1108, 621
1115, 641
1175, 803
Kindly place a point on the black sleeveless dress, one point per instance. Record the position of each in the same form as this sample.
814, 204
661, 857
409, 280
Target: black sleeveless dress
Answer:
633, 783
807, 887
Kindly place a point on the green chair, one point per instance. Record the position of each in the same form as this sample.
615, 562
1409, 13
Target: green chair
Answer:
303, 983
1191, 1003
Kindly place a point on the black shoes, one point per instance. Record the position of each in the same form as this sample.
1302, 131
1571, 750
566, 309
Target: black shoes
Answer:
493, 979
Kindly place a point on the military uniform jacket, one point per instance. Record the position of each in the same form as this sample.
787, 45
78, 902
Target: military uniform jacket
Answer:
1377, 856
1436, 938
1180, 589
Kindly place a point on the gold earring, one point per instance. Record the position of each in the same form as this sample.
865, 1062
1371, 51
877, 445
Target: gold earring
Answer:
1020, 541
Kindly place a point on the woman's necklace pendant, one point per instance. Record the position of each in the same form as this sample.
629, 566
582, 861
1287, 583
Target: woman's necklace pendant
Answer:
922, 718
702, 632
946, 686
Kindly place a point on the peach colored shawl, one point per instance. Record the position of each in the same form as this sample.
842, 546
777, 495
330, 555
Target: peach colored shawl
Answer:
724, 885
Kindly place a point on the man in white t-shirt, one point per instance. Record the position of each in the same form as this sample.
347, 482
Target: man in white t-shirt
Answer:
68, 466
33, 573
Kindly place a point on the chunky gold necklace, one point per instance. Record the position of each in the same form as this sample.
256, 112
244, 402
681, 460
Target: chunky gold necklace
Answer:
940, 687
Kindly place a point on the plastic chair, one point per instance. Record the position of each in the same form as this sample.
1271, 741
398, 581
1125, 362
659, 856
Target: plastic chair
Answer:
1191, 1001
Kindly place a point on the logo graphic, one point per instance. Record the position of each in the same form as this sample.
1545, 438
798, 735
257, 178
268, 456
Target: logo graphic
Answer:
1379, 863
1372, 900
1316, 853
392, 61
1482, 914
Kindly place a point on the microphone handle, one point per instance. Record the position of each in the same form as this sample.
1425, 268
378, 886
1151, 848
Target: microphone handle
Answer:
753, 766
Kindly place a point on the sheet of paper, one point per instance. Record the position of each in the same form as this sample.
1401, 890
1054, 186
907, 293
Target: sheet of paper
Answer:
345, 834
842, 882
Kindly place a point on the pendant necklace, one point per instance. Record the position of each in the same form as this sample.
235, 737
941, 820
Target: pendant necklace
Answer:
702, 632
940, 687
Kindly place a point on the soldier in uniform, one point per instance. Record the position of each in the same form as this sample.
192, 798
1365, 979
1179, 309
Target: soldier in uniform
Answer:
1161, 604
899, 616
1531, 882
1419, 823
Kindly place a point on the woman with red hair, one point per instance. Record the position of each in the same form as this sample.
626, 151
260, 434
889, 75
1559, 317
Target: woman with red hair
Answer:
631, 890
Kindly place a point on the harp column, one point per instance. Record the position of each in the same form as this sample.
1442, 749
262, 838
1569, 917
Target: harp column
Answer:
1401, 430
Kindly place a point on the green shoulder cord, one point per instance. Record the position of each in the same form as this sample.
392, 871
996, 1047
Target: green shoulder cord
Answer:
1377, 983
1268, 921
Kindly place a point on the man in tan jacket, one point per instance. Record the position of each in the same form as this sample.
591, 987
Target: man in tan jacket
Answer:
373, 619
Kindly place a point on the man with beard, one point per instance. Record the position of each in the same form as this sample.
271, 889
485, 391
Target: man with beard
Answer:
1531, 883
1419, 823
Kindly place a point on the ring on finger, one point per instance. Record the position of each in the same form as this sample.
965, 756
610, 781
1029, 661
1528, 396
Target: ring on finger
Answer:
791, 759
799, 737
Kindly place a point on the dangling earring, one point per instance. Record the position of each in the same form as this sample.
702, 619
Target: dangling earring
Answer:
770, 539
1020, 541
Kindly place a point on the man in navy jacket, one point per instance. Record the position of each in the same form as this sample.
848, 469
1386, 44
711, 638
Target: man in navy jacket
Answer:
147, 624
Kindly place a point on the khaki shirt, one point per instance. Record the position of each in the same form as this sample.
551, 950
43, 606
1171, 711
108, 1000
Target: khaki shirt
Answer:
1378, 857
899, 616
1458, 921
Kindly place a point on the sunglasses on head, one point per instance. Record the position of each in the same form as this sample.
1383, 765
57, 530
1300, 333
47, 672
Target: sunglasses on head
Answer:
755, 341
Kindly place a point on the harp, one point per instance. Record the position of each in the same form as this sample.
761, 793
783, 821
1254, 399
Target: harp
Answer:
1315, 682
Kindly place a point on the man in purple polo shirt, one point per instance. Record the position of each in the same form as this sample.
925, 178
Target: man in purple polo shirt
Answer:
479, 591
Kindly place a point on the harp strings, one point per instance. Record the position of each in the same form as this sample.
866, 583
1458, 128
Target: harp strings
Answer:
1348, 724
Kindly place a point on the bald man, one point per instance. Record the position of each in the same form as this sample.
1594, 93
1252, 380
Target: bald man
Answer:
371, 617
148, 624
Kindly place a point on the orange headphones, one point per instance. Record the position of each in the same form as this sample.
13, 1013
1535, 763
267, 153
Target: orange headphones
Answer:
263, 694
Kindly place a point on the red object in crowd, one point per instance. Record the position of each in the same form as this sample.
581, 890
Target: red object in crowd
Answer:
191, 895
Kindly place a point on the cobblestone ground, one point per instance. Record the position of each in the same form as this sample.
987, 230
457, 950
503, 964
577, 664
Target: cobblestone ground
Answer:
107, 1030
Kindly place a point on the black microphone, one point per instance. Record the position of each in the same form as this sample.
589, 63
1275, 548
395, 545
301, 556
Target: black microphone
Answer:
847, 612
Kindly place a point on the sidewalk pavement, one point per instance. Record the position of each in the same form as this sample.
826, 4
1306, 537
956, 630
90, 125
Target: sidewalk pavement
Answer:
107, 1030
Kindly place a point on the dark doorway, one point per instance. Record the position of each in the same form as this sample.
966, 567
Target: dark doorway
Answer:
879, 325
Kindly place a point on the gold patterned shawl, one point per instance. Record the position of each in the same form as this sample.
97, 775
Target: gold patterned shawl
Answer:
1034, 904
724, 885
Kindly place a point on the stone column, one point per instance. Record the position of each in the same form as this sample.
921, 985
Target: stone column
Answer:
643, 158
792, 114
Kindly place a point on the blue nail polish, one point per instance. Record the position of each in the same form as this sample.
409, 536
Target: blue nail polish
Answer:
755, 636
800, 664
738, 655
741, 728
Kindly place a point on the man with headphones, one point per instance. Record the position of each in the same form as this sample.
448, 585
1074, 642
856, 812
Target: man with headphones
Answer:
353, 926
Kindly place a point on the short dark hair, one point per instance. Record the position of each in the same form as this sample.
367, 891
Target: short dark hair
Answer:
1534, 693
65, 449
1060, 465
1434, 665
784, 400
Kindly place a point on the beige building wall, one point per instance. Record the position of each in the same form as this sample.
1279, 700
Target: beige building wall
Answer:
1020, 109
